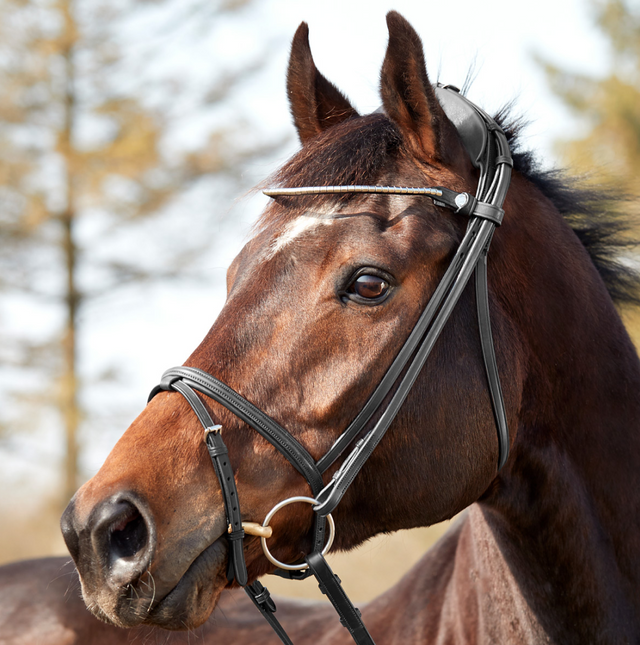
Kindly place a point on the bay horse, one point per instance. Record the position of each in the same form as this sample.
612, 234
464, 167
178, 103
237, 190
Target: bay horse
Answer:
320, 301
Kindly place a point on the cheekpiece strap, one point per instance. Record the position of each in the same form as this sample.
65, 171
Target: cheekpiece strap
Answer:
235, 534
219, 457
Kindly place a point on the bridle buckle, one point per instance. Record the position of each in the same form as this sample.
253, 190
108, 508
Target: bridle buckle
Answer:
217, 429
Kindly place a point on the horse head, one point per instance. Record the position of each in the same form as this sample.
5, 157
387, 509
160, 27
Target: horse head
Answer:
320, 301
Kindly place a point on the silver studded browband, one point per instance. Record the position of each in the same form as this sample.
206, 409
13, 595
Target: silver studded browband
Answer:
462, 203
319, 190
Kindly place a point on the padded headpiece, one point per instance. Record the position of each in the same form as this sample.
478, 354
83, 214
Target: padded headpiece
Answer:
470, 125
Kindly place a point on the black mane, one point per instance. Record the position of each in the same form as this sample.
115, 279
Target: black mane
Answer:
595, 214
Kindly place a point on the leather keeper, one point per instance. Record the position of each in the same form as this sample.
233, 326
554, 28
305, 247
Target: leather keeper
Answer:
488, 211
216, 450
264, 598
504, 159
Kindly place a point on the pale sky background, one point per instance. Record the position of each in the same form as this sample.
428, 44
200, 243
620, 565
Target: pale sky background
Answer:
152, 330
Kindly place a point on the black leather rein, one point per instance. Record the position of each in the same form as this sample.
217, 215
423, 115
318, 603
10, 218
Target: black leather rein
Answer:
489, 151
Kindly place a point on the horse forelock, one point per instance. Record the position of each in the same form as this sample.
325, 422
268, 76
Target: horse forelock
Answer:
355, 152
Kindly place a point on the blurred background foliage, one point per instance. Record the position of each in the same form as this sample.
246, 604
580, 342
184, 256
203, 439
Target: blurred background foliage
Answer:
608, 109
103, 144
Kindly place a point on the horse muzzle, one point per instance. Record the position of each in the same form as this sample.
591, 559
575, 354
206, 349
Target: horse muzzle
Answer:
113, 549
125, 578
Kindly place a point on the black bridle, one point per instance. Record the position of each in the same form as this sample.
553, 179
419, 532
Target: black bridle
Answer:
488, 148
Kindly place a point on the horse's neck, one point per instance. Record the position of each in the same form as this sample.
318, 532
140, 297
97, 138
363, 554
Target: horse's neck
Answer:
566, 521
566, 509
462, 591
571, 547
486, 582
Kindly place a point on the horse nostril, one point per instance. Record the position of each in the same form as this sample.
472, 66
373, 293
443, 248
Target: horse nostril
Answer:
129, 536
123, 539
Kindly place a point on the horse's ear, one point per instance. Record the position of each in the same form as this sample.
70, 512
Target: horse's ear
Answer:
409, 98
316, 104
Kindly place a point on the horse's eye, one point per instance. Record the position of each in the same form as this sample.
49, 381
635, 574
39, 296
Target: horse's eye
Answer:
369, 287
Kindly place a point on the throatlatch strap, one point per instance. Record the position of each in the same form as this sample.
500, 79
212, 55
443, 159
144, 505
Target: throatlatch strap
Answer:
489, 354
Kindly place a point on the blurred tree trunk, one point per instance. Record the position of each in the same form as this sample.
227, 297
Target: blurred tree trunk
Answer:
83, 155
69, 378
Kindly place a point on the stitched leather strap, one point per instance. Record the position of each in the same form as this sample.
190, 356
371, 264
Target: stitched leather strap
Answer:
330, 585
220, 459
261, 598
270, 429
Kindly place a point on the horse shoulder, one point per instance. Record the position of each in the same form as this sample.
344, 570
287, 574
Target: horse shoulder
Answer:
459, 592
38, 597
41, 604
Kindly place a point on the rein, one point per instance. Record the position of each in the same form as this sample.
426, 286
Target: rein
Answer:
488, 148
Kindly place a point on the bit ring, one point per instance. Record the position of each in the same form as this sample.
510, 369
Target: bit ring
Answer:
273, 511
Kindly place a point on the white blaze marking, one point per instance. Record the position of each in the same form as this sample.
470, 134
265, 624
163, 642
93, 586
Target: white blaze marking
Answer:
296, 229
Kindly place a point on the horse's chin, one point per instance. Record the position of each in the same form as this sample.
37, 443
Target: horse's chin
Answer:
186, 606
191, 601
